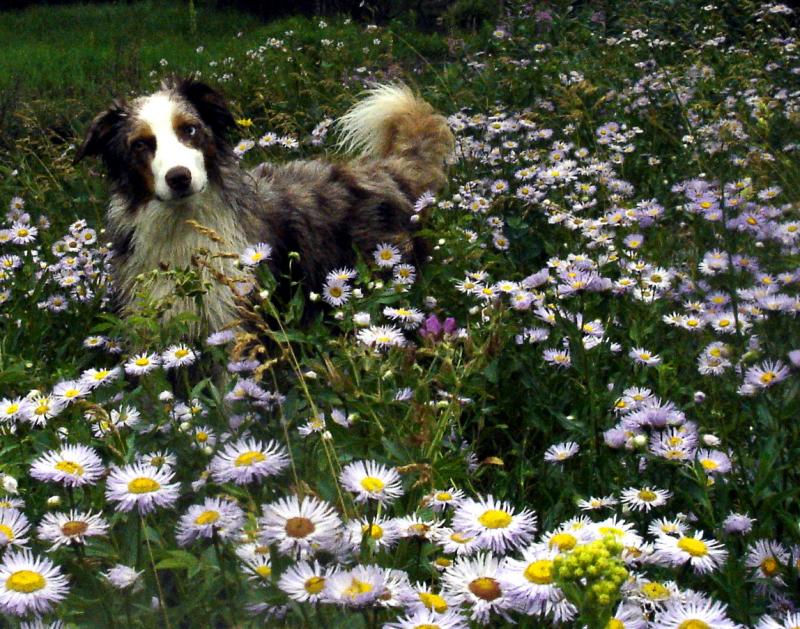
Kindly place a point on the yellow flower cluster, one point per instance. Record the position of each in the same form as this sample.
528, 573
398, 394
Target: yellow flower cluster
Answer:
596, 568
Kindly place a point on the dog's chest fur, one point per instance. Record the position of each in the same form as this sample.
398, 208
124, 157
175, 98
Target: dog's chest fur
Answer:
161, 237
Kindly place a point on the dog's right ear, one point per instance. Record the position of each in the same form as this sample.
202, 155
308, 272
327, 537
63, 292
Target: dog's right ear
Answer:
209, 103
103, 129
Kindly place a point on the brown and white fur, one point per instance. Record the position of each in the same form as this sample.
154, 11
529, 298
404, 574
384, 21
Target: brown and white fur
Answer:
170, 163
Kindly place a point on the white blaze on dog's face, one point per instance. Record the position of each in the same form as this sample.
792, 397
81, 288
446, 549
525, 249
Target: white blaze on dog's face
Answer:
169, 133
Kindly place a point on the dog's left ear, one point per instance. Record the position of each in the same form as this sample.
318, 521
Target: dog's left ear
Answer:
209, 103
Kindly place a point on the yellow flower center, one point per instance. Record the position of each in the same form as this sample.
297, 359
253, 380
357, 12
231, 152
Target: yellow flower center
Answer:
263, 571
495, 519
42, 409
444, 496
647, 495
12, 408
142, 362
563, 541
540, 572
694, 623
386, 254
655, 591
615, 623
314, 585
74, 527
695, 547
433, 601
207, 517
375, 531
25, 581
7, 531
769, 566
22, 232
181, 353
767, 377
485, 588
71, 393
372, 484
70, 467
201, 436
357, 588
709, 464
611, 530
299, 527
460, 538
100, 375
143, 485
249, 458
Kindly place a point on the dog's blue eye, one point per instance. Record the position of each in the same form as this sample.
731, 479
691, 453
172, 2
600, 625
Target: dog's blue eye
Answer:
190, 130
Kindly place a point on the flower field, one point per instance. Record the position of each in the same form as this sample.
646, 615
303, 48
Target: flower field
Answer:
582, 411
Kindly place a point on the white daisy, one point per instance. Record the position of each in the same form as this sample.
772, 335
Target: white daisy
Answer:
791, 620
495, 523
336, 292
358, 587
704, 555
71, 528
256, 254
305, 581
248, 459
386, 255
300, 527
561, 452
13, 528
42, 408
439, 500
70, 390
381, 336
766, 557
143, 363
72, 465
476, 583
178, 356
370, 480
645, 498
214, 516
11, 409
409, 318
382, 533
694, 614
529, 581
29, 584
428, 619
142, 487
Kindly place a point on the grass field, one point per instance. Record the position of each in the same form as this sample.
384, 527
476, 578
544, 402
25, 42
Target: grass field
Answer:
581, 412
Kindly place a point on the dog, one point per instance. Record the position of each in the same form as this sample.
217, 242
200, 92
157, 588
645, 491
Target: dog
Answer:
177, 189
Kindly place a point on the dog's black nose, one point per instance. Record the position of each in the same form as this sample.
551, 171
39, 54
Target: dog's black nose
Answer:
179, 178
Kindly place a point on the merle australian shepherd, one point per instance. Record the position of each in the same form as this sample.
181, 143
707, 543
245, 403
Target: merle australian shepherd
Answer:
172, 169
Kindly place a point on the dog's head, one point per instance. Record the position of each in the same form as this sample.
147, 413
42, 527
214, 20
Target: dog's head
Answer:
164, 145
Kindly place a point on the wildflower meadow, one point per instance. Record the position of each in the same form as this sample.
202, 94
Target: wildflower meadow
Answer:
581, 411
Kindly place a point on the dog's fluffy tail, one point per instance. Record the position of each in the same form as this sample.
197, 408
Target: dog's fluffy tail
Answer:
393, 124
